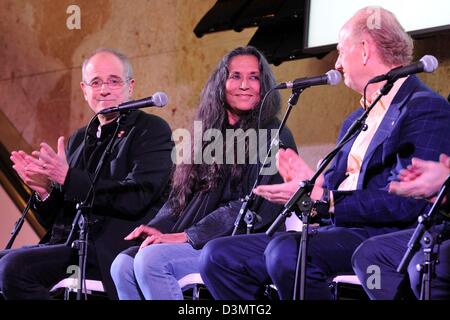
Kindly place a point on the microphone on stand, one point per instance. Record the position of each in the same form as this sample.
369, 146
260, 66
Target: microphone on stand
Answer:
159, 99
428, 63
332, 77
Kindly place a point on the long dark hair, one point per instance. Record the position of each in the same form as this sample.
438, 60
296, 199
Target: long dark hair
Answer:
212, 111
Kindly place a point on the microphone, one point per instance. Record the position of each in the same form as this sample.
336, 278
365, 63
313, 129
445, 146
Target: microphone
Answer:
158, 99
332, 77
428, 63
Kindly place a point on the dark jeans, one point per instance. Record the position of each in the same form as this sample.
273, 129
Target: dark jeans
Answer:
30, 272
238, 267
386, 252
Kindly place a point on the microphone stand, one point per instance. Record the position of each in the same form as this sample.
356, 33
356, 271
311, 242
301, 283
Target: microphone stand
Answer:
301, 200
427, 238
19, 223
81, 217
249, 216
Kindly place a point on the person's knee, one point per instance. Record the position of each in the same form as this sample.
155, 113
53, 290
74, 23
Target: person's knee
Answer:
211, 256
151, 259
10, 271
122, 265
365, 255
278, 255
274, 252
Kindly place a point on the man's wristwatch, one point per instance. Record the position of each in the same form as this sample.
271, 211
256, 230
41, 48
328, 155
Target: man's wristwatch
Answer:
322, 207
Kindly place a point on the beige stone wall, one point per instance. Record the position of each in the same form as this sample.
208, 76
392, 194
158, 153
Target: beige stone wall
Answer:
41, 60
10, 215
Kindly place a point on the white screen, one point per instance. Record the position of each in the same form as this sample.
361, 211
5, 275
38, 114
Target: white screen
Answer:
326, 17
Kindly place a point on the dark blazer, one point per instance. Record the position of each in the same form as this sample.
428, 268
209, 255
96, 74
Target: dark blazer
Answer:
127, 194
417, 124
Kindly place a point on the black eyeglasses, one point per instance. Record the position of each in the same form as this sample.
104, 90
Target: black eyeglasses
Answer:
112, 83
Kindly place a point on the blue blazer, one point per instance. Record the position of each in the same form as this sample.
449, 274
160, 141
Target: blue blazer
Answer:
417, 124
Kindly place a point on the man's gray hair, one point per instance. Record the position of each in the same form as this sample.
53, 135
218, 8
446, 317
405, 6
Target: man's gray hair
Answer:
394, 45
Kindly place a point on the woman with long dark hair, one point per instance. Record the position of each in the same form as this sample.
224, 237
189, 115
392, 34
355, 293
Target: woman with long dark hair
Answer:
205, 197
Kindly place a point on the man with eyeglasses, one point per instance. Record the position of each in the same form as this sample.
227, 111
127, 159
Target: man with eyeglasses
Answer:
128, 192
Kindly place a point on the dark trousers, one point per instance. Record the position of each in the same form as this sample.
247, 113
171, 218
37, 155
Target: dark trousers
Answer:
386, 252
30, 272
238, 267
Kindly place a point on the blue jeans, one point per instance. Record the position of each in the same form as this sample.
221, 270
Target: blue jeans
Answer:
152, 273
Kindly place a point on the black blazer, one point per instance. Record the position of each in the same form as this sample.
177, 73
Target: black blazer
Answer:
127, 194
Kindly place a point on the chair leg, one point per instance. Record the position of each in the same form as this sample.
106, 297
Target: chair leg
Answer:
336, 291
66, 294
195, 292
